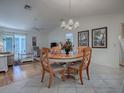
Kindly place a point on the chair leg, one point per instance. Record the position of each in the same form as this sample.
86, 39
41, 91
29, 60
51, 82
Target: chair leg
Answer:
43, 74
50, 80
88, 76
63, 76
80, 75
68, 71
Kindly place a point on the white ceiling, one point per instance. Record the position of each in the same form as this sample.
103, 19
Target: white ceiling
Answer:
46, 14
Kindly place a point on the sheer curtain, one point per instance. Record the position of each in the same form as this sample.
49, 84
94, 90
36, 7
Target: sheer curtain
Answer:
1, 42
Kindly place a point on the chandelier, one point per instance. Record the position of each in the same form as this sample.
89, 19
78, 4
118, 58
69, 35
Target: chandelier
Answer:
71, 24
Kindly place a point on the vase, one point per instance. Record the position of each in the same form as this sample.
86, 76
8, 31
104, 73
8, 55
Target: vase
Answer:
67, 51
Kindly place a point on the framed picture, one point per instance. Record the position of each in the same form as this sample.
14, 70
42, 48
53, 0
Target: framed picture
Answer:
99, 37
83, 38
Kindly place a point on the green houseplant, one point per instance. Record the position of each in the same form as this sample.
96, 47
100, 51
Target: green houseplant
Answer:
67, 46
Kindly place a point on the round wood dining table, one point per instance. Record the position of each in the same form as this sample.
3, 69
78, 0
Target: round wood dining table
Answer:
63, 58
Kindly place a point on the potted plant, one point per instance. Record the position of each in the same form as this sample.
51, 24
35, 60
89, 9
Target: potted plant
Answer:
67, 46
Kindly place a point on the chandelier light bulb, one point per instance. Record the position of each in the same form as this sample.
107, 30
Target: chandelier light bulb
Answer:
70, 28
76, 25
63, 24
66, 27
70, 22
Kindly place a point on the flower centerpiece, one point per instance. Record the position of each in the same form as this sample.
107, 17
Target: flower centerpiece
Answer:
67, 46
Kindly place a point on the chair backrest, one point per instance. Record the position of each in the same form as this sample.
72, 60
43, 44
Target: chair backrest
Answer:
87, 51
80, 48
44, 58
56, 49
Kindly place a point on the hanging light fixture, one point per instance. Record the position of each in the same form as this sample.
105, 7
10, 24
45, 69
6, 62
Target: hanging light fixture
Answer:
71, 24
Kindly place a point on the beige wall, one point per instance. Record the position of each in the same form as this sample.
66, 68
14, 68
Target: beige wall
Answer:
108, 56
122, 32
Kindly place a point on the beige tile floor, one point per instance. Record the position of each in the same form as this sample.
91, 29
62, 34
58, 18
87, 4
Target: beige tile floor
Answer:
103, 80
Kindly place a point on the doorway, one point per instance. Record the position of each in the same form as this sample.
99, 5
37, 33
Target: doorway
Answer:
14, 43
121, 43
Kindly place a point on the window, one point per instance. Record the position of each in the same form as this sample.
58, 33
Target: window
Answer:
69, 36
15, 43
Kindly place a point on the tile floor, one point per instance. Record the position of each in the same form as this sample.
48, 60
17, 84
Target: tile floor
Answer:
103, 80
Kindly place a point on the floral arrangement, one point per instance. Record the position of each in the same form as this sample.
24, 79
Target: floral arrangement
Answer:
67, 46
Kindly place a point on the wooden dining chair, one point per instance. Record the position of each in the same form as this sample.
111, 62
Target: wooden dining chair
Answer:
80, 48
51, 68
79, 51
55, 50
84, 64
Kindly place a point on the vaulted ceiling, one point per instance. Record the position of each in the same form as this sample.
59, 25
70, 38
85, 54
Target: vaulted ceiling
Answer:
47, 14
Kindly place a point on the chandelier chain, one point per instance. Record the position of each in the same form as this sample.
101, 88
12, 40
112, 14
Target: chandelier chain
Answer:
70, 8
